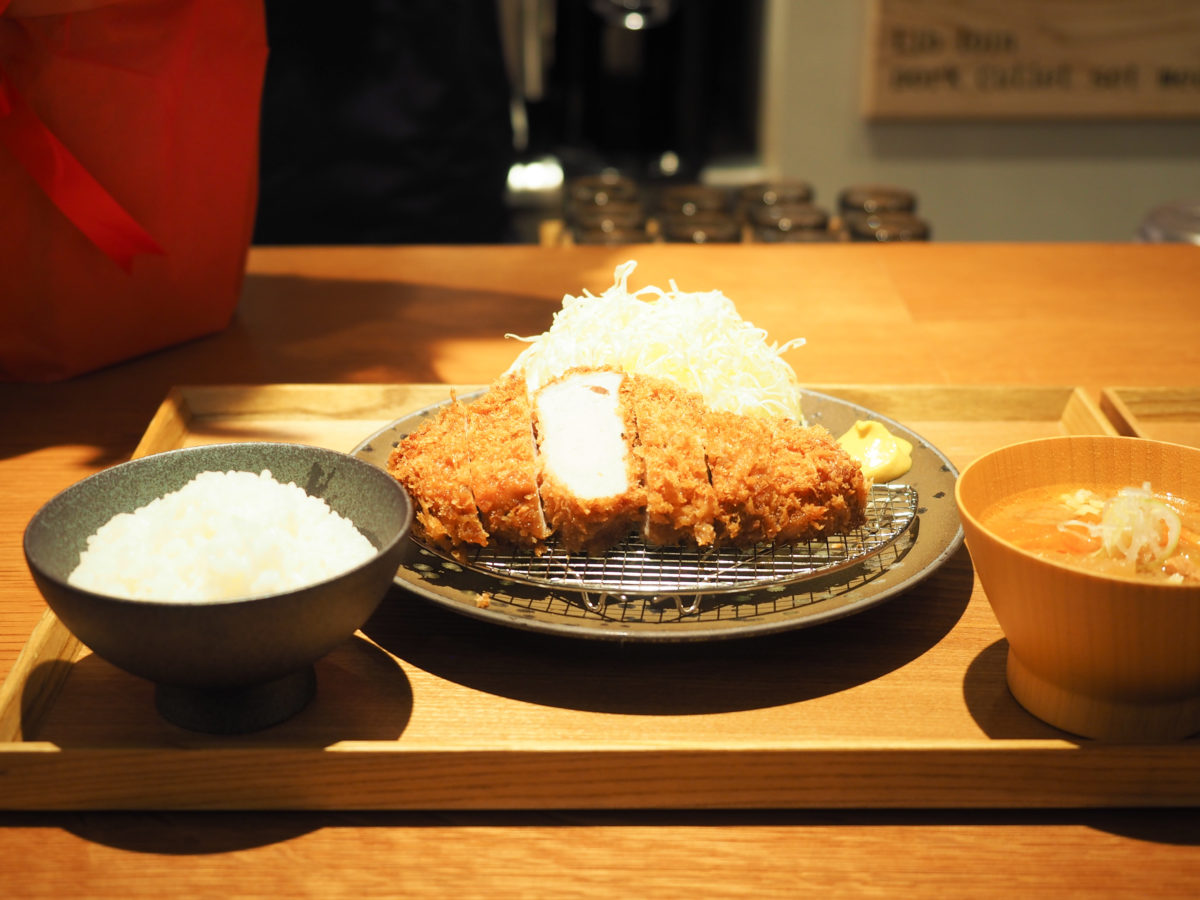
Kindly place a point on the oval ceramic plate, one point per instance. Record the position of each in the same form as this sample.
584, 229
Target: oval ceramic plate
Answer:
914, 552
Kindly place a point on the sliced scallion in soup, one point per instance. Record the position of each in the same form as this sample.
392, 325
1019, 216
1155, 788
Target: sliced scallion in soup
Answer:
1129, 531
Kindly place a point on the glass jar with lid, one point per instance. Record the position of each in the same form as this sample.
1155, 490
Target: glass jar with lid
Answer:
876, 198
886, 227
787, 222
622, 222
704, 227
775, 193
599, 190
692, 199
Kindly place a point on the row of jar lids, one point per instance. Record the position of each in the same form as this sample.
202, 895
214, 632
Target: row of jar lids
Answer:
619, 207
606, 189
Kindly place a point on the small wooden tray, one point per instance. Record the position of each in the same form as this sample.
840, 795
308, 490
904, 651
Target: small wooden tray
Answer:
904, 705
1162, 414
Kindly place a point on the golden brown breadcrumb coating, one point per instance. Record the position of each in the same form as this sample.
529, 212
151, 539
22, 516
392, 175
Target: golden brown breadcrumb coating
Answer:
739, 468
504, 470
818, 489
680, 502
432, 463
777, 480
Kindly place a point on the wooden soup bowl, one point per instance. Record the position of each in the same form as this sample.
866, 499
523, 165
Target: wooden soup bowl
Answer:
1104, 657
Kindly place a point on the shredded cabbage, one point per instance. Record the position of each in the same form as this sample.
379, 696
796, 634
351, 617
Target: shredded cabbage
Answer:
1134, 526
697, 340
1139, 527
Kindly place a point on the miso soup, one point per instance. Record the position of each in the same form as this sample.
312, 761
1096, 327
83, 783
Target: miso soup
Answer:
1124, 531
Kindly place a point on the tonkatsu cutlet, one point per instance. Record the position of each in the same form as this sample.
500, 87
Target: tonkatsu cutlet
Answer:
433, 465
595, 453
503, 464
590, 480
739, 468
818, 488
777, 480
680, 503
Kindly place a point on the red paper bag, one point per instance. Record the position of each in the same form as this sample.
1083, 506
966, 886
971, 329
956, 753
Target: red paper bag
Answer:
128, 175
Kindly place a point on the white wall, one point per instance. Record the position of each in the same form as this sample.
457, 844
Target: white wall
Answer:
1026, 181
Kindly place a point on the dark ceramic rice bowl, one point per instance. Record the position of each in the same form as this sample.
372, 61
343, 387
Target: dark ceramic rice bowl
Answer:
228, 665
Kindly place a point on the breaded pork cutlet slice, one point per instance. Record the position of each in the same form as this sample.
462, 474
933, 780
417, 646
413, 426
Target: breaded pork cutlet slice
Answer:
777, 480
819, 490
503, 459
736, 448
589, 479
680, 502
432, 462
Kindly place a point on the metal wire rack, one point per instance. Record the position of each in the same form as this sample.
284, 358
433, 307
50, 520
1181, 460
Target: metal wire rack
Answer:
633, 569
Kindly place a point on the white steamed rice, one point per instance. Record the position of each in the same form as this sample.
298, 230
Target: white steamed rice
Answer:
223, 535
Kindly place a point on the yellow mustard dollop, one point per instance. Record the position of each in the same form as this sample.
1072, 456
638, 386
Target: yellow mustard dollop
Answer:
883, 455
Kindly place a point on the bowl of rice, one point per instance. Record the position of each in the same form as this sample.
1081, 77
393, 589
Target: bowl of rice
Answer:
222, 572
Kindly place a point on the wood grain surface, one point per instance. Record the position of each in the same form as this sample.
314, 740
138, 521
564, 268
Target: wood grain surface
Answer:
1083, 315
1160, 413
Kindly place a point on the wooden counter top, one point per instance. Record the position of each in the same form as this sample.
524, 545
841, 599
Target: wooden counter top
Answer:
1088, 315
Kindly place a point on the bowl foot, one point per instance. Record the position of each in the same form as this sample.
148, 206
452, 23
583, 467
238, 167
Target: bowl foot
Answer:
236, 710
1101, 719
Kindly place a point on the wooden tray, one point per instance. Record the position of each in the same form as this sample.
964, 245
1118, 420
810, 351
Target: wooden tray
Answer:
1163, 414
904, 705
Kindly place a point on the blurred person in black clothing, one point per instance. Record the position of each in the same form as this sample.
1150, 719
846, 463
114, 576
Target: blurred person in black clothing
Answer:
384, 122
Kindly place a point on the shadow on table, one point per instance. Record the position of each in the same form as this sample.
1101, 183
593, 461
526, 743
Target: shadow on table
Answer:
997, 712
994, 708
182, 834
201, 833
362, 695
675, 679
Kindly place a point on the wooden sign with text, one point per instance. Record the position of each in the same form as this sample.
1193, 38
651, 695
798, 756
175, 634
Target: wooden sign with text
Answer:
1033, 59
